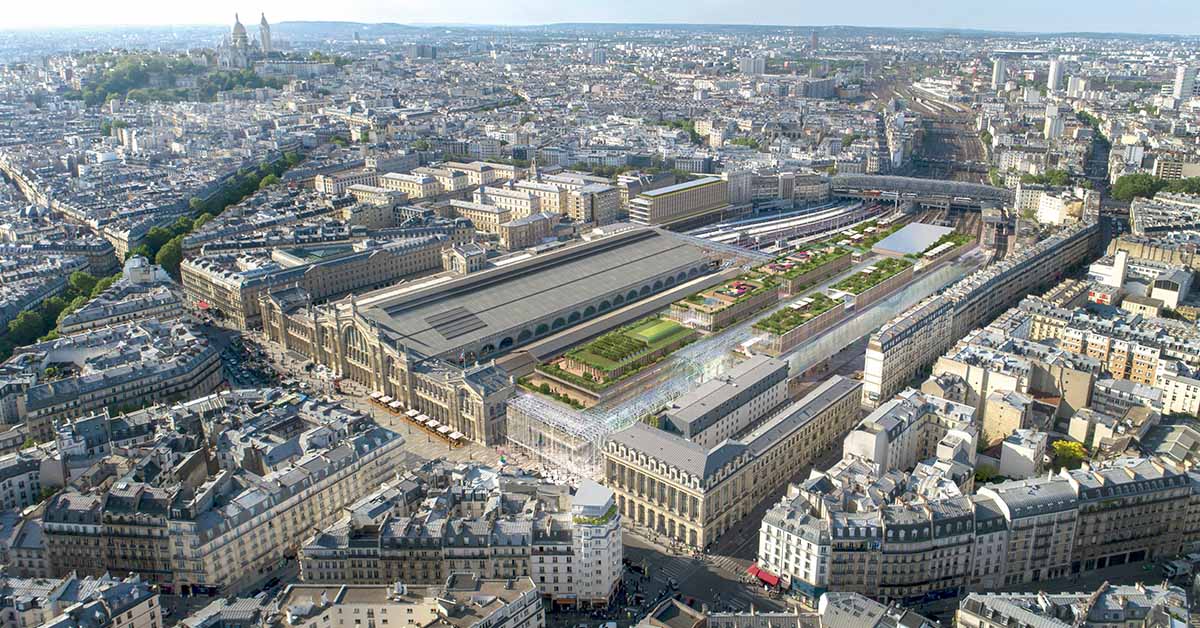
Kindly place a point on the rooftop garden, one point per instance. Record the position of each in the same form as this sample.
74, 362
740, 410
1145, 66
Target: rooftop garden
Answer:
859, 283
872, 238
619, 354
544, 389
729, 293
797, 264
954, 237
597, 521
795, 315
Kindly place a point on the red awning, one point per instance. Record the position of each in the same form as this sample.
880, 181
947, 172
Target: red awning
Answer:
202, 304
768, 577
752, 569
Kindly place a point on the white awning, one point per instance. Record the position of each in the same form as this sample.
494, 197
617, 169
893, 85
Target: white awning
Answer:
376, 395
395, 405
412, 412
445, 429
385, 400
456, 435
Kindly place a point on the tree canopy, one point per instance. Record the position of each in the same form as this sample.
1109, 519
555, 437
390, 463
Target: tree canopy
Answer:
1144, 185
170, 256
1053, 177
1068, 454
156, 77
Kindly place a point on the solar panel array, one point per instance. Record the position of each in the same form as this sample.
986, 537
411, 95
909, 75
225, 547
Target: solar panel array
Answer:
455, 322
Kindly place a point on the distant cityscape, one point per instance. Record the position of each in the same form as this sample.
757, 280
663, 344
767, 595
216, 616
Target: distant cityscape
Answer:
342, 325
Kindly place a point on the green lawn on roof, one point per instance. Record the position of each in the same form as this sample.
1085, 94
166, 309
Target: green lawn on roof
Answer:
610, 351
655, 331
956, 237
814, 262
789, 318
859, 283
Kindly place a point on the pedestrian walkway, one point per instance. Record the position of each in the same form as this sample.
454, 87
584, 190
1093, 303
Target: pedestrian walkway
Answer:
678, 567
731, 564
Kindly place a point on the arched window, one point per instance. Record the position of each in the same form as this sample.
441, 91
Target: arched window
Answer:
574, 317
589, 311
523, 336
542, 329
558, 322
356, 346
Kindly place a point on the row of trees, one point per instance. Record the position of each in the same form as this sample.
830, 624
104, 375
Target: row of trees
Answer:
748, 142
1053, 177
1144, 185
40, 323
164, 245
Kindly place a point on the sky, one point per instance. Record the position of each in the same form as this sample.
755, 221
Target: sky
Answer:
1136, 16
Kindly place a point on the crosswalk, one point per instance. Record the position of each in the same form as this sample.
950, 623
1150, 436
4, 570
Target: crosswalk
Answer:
733, 565
677, 567
681, 569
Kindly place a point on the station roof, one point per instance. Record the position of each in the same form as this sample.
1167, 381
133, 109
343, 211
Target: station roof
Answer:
449, 316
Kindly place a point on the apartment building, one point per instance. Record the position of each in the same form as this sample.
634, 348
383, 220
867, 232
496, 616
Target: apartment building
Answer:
487, 218
73, 602
478, 172
464, 600
724, 406
129, 365
518, 202
1152, 501
415, 186
375, 195
448, 180
1180, 386
144, 291
994, 366
1041, 518
21, 478
917, 337
551, 197
522, 233
688, 201
594, 203
440, 519
692, 494
285, 465
1128, 345
1137, 605
231, 284
869, 526
336, 184
908, 429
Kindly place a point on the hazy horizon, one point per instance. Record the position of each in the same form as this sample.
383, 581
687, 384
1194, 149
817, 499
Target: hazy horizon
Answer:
1020, 16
